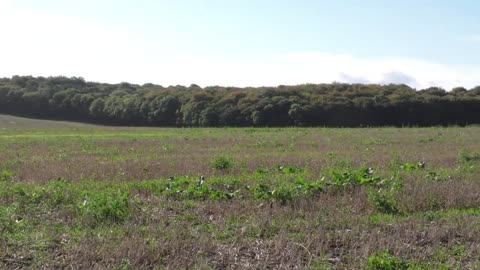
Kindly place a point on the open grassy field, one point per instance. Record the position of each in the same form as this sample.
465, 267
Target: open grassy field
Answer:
89, 197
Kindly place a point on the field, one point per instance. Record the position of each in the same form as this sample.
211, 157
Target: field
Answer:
92, 197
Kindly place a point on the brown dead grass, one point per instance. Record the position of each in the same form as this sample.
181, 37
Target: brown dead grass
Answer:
334, 230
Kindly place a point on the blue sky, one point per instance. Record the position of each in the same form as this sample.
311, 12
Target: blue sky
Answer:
244, 43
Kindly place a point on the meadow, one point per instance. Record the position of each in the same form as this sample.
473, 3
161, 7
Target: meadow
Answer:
92, 197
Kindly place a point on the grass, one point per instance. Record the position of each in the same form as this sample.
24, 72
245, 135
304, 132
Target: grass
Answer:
84, 196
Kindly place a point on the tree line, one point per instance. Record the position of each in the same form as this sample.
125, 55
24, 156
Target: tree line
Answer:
332, 105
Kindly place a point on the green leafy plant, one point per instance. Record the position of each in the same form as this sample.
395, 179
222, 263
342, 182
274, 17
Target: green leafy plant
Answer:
383, 194
199, 188
309, 188
438, 176
364, 176
408, 166
261, 191
263, 171
290, 169
469, 157
222, 164
386, 261
108, 205
6, 176
384, 200
284, 194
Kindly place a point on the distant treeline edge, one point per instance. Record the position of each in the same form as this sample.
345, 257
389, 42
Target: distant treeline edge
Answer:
331, 105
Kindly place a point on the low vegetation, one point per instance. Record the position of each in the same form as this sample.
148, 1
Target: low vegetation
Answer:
83, 196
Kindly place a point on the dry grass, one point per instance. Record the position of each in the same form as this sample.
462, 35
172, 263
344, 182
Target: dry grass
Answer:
437, 224
140, 154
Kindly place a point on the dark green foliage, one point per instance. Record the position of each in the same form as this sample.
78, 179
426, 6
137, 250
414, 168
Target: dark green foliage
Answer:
301, 105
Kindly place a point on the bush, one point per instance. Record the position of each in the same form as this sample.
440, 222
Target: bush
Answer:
386, 261
383, 195
107, 205
384, 200
59, 192
363, 176
283, 194
6, 176
261, 191
222, 163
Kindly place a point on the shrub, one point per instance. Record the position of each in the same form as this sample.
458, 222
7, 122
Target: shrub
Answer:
364, 176
106, 205
261, 191
383, 195
283, 194
309, 188
61, 193
222, 163
6, 176
386, 261
384, 201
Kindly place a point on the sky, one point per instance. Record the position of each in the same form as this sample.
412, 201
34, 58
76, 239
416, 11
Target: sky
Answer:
421, 43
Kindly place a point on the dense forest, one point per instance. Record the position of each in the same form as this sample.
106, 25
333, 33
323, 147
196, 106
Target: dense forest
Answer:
337, 104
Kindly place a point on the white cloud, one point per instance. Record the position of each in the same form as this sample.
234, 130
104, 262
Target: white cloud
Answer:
397, 77
352, 79
43, 45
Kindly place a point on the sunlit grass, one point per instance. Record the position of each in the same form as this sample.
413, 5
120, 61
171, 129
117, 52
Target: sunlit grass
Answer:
237, 197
